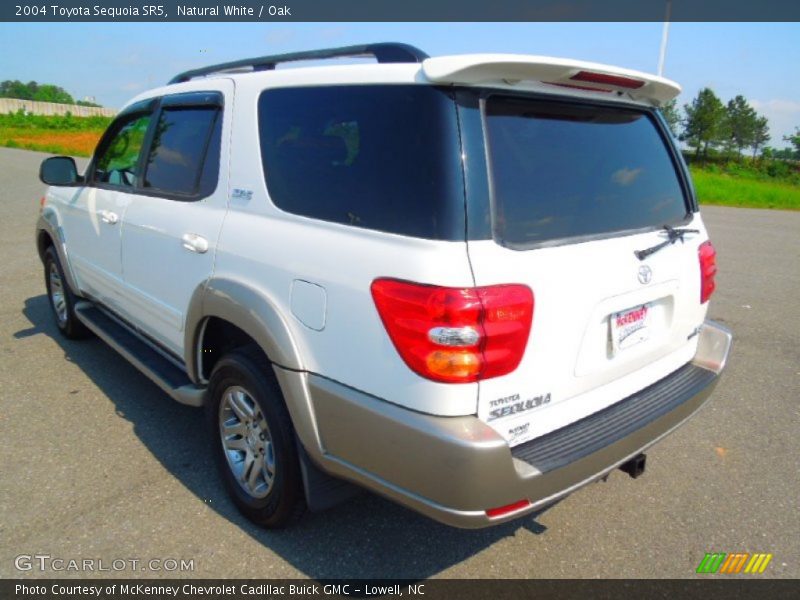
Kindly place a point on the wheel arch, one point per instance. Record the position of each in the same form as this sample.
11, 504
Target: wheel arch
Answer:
246, 310
49, 233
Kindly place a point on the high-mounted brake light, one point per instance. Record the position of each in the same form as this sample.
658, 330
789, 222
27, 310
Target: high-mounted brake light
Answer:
615, 80
708, 270
574, 86
456, 335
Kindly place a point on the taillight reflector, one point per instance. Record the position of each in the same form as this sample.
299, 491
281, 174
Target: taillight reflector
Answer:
456, 335
708, 270
501, 511
604, 78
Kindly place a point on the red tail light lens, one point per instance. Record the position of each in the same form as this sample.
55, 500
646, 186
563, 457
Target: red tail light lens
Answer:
456, 335
708, 270
615, 80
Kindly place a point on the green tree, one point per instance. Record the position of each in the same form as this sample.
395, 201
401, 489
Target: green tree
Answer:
705, 122
671, 115
760, 134
52, 93
34, 91
740, 125
794, 140
15, 89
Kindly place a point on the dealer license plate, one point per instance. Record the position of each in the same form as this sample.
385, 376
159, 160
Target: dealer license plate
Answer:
630, 327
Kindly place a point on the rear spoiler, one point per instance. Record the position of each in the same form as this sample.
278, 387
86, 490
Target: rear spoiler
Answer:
515, 68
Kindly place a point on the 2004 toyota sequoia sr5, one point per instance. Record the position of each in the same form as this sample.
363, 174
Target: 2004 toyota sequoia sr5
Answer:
471, 284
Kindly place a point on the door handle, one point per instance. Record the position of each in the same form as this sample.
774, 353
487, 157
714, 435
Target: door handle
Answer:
195, 243
109, 217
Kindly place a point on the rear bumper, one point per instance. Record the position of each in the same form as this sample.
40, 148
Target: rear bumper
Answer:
453, 468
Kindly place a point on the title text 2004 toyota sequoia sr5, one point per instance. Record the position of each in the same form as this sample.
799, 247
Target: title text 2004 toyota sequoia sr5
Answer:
471, 284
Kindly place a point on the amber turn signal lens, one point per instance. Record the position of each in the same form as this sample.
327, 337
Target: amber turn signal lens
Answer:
457, 364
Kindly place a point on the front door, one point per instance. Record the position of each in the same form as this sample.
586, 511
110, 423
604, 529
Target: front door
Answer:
92, 215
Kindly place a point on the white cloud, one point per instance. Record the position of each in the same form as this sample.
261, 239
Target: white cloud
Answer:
777, 106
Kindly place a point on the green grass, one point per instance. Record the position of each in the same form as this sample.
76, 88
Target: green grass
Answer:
21, 120
729, 190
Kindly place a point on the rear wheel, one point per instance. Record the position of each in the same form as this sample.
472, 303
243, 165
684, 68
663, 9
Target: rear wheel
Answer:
62, 300
253, 439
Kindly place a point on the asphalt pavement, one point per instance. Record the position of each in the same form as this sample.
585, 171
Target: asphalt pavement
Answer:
98, 464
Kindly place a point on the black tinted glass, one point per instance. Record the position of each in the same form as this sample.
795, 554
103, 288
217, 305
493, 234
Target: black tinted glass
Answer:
379, 157
117, 162
562, 170
178, 152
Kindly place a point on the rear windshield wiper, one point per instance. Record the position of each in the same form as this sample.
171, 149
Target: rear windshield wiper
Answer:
673, 235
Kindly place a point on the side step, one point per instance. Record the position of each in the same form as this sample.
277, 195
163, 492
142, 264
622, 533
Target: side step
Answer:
141, 354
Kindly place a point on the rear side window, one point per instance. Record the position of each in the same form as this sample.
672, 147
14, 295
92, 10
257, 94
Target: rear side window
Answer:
563, 171
378, 157
184, 154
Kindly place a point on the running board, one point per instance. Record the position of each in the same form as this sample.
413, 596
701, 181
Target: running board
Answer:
140, 354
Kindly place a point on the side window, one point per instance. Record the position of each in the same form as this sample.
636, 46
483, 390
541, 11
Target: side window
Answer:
382, 157
117, 163
184, 155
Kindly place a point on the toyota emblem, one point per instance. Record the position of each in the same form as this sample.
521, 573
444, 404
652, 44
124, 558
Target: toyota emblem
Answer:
645, 274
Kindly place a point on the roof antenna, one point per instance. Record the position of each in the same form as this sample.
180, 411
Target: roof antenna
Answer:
664, 38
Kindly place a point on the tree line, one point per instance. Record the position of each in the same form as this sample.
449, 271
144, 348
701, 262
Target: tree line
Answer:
40, 92
708, 125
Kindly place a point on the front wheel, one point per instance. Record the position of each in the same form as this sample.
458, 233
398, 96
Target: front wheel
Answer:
253, 439
62, 300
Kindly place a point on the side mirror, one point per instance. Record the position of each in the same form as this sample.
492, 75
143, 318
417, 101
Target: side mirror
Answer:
59, 170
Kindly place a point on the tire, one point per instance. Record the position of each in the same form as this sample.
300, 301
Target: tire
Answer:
62, 299
257, 454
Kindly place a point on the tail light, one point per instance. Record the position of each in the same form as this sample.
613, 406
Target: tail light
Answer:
708, 270
456, 335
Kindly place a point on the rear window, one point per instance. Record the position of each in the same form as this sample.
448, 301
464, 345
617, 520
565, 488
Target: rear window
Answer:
379, 157
564, 170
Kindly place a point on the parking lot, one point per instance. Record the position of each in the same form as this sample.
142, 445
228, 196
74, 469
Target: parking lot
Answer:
98, 463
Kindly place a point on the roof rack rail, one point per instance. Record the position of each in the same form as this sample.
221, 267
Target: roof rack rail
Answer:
384, 52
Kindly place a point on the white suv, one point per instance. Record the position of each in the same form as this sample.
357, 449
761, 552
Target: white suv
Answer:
471, 284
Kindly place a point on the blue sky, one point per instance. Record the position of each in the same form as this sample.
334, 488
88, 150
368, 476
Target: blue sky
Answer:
114, 61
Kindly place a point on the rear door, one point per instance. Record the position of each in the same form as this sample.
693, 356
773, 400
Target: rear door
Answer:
576, 189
